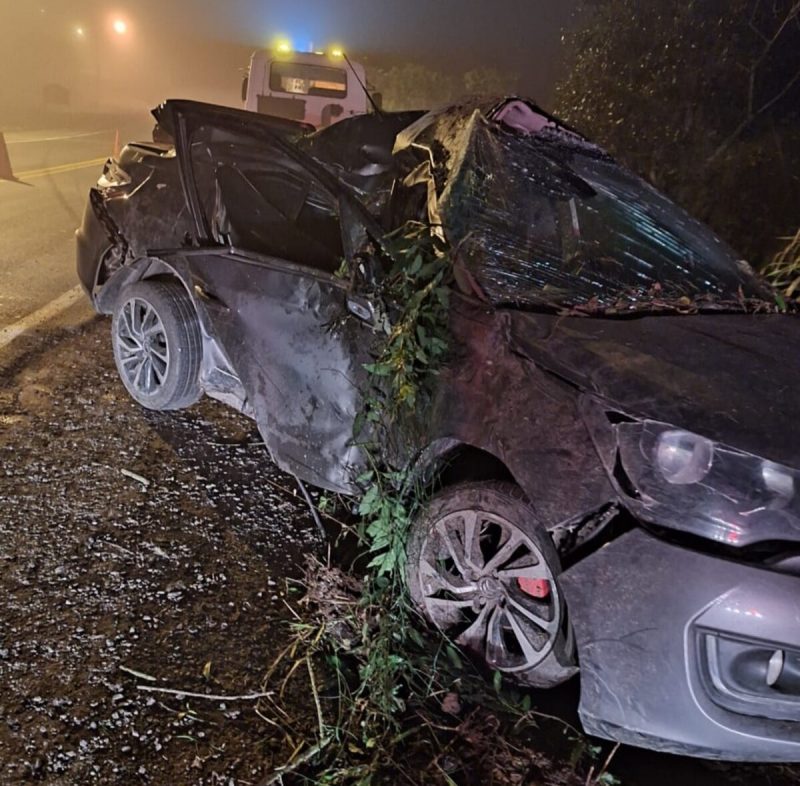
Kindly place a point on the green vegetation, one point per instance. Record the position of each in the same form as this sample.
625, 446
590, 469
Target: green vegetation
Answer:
415, 86
394, 704
412, 301
784, 269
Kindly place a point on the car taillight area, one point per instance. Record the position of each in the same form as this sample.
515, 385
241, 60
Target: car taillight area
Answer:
114, 176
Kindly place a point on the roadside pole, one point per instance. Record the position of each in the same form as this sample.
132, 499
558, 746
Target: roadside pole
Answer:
6, 172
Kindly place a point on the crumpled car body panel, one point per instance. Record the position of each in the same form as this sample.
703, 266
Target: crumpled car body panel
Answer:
543, 217
297, 357
484, 382
255, 215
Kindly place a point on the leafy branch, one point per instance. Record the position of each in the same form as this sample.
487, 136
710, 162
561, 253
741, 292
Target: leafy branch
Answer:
412, 313
399, 694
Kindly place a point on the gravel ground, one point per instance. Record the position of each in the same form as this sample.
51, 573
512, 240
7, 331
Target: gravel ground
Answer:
129, 540
145, 550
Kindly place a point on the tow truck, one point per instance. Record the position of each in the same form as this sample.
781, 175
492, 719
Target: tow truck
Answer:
318, 88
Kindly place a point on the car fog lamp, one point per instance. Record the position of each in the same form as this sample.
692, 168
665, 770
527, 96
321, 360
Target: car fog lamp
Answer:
777, 480
682, 457
775, 667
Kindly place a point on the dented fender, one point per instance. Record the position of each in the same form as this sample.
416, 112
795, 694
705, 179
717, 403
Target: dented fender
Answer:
494, 399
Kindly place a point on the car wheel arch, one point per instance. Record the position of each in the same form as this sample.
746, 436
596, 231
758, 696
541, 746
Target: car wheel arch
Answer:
140, 269
448, 462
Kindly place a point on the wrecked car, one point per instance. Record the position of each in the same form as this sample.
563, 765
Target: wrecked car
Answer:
611, 444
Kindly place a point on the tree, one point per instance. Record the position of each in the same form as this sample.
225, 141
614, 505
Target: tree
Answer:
413, 86
702, 98
489, 81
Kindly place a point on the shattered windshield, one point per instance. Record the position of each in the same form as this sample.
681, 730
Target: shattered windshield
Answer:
548, 219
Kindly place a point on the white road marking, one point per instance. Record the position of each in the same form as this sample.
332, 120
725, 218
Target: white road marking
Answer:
34, 320
54, 138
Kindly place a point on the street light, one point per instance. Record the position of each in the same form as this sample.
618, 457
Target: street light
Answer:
120, 26
80, 32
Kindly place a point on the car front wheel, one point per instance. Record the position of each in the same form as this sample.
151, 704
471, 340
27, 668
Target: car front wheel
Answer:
157, 344
484, 572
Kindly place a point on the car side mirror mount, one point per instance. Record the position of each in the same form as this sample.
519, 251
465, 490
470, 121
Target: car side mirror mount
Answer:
360, 307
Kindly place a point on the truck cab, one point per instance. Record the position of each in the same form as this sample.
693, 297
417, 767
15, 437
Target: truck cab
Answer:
313, 87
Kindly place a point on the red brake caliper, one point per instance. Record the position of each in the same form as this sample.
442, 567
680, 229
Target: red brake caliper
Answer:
536, 588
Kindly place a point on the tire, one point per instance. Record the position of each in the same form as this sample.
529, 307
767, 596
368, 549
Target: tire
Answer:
157, 345
497, 599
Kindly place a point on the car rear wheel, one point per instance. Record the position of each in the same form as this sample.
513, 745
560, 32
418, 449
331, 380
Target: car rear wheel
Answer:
157, 344
484, 571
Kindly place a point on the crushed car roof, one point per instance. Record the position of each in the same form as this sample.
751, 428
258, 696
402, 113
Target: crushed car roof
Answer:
537, 214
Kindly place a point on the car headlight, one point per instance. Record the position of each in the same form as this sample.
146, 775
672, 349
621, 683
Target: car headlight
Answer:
683, 457
778, 480
678, 479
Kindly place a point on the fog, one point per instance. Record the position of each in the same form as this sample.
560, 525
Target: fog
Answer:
68, 58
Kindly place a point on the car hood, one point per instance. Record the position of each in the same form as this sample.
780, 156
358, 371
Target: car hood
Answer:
733, 378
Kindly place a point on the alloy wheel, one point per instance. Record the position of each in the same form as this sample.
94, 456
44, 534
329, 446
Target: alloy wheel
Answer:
487, 585
144, 352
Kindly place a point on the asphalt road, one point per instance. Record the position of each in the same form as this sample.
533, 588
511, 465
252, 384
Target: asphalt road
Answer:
38, 218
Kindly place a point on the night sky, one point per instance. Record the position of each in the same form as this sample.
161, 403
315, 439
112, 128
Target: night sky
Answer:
515, 34
181, 42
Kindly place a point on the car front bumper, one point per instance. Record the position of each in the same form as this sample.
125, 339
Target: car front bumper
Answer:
677, 650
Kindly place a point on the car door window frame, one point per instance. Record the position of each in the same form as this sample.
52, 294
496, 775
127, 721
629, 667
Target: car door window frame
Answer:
330, 185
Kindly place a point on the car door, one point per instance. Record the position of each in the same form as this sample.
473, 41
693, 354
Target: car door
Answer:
270, 244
